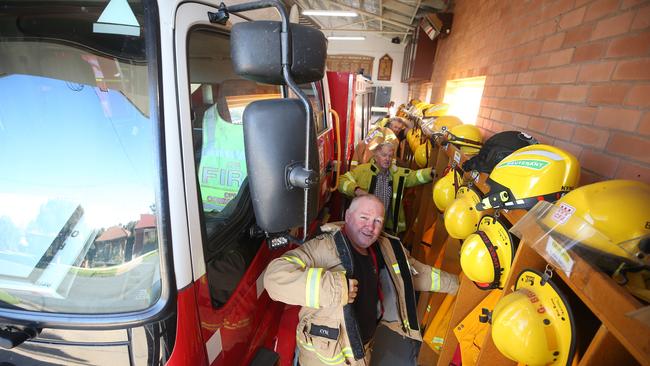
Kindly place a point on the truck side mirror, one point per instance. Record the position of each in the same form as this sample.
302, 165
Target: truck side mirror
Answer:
274, 138
256, 52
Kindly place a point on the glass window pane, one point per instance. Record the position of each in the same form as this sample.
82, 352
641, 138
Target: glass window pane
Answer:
78, 219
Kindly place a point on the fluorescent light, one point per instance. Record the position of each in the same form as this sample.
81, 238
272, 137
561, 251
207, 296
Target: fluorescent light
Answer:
330, 13
346, 38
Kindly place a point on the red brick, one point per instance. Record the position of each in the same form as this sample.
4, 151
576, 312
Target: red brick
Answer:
573, 18
539, 62
617, 119
520, 120
607, 94
548, 92
553, 110
630, 3
559, 58
533, 108
561, 130
513, 91
572, 93
578, 35
644, 125
613, 26
634, 45
631, 146
587, 177
639, 95
582, 2
569, 147
560, 75
538, 124
542, 139
642, 18
598, 163
633, 70
528, 92
627, 170
600, 8
587, 135
556, 8
553, 42
525, 78
579, 114
588, 52
601, 71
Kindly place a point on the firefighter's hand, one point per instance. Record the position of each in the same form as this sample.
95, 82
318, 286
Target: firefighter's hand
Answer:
353, 287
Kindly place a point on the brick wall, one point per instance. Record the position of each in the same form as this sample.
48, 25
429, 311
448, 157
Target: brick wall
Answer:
573, 73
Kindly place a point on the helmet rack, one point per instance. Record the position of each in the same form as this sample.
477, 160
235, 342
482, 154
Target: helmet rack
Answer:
606, 335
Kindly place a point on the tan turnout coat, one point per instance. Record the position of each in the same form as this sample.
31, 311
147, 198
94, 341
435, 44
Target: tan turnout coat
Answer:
313, 277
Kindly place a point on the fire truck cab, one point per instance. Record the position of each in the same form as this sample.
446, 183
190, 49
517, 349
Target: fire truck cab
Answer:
132, 229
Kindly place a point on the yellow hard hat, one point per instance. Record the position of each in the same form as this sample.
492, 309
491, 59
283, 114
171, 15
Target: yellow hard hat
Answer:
415, 139
414, 101
436, 110
422, 154
445, 123
461, 216
466, 137
606, 223
486, 256
379, 136
444, 190
531, 174
534, 324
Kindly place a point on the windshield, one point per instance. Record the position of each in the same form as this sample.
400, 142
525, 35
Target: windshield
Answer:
78, 159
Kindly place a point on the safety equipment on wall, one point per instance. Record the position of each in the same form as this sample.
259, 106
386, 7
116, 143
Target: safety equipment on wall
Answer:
436, 126
606, 223
486, 256
422, 155
444, 190
461, 216
497, 148
436, 330
471, 332
466, 137
436, 110
531, 174
414, 138
534, 324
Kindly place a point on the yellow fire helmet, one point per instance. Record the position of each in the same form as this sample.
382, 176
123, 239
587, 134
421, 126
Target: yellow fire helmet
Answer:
436, 110
444, 190
486, 256
609, 221
466, 137
534, 325
531, 174
461, 216
422, 155
414, 138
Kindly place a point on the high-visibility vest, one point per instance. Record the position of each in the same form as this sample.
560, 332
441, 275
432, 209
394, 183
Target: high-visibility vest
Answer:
222, 169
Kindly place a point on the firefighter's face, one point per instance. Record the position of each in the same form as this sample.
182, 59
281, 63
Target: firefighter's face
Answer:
384, 156
364, 221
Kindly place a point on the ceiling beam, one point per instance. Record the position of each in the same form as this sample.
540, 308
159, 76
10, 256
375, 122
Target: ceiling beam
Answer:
302, 6
415, 11
371, 15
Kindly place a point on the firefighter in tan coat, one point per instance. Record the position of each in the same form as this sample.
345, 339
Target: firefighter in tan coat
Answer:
347, 281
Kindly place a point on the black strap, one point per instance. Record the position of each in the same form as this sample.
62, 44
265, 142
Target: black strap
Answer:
373, 183
409, 291
349, 318
495, 260
398, 202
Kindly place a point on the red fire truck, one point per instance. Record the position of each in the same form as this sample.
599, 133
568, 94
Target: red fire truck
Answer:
135, 223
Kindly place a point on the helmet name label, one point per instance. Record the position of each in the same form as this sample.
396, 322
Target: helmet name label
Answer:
526, 163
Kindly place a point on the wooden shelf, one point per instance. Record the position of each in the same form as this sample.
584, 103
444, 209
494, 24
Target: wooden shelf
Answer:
607, 335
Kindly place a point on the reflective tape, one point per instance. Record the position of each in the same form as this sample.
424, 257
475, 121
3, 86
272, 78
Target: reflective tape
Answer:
312, 295
435, 279
396, 268
295, 260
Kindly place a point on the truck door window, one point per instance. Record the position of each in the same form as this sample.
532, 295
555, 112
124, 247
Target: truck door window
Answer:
79, 208
314, 92
218, 98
